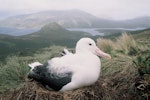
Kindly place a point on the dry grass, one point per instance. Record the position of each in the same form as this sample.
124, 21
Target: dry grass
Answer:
35, 91
126, 43
119, 77
123, 44
106, 45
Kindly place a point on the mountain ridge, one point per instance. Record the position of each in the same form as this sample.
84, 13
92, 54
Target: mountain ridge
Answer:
71, 19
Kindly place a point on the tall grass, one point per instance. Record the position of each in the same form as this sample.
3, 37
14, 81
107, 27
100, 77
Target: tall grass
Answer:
129, 70
126, 44
119, 78
106, 45
14, 72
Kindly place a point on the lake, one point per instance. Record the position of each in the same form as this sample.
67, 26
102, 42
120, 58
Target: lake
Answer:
93, 31
102, 31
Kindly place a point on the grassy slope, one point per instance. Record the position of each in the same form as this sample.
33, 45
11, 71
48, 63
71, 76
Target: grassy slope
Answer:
143, 38
49, 35
117, 80
112, 34
14, 72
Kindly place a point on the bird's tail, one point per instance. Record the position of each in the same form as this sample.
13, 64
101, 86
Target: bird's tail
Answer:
65, 52
32, 65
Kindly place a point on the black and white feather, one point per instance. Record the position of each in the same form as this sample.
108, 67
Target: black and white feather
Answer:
65, 52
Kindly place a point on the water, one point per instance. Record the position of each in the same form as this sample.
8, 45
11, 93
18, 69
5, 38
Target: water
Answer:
92, 31
101, 31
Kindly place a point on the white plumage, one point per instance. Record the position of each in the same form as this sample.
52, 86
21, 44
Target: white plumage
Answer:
84, 65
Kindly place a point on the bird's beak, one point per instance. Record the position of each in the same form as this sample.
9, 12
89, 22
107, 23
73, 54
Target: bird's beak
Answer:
101, 53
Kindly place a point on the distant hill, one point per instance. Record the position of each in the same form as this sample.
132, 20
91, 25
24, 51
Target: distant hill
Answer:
140, 22
54, 34
51, 34
70, 19
145, 33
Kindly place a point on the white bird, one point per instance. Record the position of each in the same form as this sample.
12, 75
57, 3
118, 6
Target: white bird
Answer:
70, 71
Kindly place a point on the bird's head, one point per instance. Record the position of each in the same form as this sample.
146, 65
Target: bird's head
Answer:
88, 45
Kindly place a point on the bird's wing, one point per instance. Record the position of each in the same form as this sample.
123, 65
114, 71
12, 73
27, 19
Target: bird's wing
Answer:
32, 65
54, 79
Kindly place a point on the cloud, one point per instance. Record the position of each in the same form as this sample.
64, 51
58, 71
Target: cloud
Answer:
118, 9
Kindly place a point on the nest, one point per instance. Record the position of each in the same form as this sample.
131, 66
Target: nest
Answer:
106, 88
33, 90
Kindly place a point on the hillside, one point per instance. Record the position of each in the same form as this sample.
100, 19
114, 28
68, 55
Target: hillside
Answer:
124, 77
51, 34
140, 22
71, 19
54, 34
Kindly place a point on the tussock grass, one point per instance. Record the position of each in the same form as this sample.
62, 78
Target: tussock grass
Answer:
142, 62
126, 44
119, 76
123, 69
106, 45
12, 74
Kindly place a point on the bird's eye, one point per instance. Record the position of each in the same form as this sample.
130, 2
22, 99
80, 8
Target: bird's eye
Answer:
90, 44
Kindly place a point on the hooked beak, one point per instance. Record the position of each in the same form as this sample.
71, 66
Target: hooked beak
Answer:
101, 53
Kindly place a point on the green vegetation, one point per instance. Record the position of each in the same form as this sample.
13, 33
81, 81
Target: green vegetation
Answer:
125, 76
143, 63
14, 72
51, 34
130, 67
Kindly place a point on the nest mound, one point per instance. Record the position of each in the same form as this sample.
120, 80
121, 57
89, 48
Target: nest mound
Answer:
103, 89
33, 90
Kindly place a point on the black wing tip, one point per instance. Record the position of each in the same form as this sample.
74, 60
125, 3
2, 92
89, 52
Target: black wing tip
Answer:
32, 75
49, 80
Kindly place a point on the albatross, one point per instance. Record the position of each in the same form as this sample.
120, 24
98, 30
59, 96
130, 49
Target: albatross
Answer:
71, 71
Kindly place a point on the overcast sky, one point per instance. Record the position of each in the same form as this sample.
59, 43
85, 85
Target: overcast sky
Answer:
109, 9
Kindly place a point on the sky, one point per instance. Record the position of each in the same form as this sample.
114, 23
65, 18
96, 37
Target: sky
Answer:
108, 9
